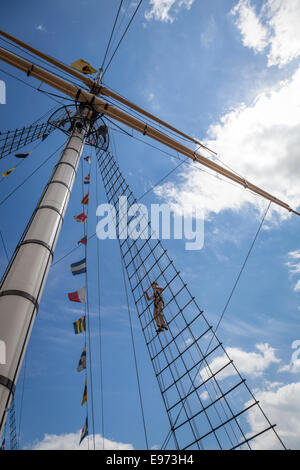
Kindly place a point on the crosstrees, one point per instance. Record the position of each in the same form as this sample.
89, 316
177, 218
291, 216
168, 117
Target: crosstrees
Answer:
207, 401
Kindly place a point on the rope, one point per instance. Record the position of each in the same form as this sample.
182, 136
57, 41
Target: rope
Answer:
4, 246
134, 354
120, 24
85, 228
31, 174
242, 268
154, 348
227, 303
149, 121
173, 295
140, 289
159, 368
22, 161
138, 199
99, 318
191, 420
160, 181
186, 162
76, 81
47, 93
192, 382
123, 35
112, 32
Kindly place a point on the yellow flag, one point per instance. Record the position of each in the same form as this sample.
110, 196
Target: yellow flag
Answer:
6, 173
84, 398
83, 66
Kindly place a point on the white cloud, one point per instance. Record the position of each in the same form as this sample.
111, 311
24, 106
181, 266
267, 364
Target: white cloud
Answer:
282, 406
280, 402
254, 34
275, 28
248, 363
297, 286
284, 21
204, 396
207, 36
261, 143
293, 265
188, 341
41, 27
294, 365
152, 100
164, 10
295, 254
71, 442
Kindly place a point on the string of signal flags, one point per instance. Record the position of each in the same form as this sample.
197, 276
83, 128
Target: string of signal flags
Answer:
22, 156
60, 124
77, 268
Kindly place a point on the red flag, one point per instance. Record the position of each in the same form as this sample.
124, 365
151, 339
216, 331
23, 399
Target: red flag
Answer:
83, 240
78, 296
81, 217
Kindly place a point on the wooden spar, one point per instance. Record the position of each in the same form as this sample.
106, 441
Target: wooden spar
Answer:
119, 115
87, 81
106, 92
101, 89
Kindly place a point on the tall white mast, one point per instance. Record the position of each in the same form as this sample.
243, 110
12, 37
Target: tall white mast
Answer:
24, 280
22, 285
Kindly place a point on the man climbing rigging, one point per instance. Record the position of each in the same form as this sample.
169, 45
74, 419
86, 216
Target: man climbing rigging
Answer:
158, 306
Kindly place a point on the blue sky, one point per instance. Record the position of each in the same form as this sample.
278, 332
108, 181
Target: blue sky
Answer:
227, 73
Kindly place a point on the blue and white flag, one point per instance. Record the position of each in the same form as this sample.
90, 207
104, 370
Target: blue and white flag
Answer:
79, 267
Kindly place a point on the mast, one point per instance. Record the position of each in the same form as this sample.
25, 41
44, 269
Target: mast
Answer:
24, 280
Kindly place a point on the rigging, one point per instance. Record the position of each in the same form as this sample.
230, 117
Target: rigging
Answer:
176, 354
123, 35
